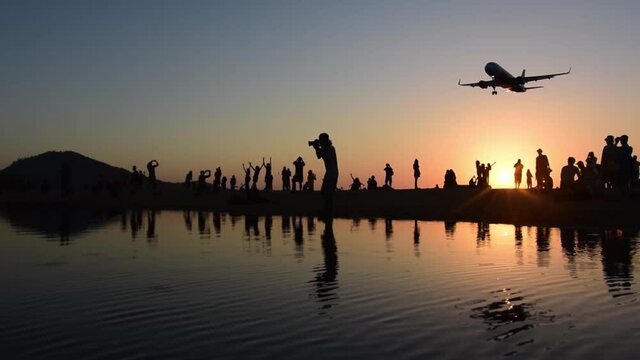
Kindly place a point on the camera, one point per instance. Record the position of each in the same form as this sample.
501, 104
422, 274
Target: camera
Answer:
315, 142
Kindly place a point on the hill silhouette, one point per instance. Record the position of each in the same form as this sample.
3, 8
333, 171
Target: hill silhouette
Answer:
45, 169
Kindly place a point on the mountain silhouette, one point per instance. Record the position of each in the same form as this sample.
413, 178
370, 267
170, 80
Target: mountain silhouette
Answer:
46, 168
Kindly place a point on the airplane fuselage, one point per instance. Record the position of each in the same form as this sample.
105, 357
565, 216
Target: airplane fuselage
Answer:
503, 78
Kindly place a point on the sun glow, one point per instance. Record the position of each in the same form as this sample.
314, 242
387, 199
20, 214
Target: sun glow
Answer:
504, 179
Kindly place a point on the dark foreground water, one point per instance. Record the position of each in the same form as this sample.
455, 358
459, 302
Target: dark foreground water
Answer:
211, 286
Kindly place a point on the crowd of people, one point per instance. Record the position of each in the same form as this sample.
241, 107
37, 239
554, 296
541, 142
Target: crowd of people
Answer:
618, 169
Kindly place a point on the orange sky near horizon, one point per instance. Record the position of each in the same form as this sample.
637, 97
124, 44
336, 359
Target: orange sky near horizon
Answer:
198, 85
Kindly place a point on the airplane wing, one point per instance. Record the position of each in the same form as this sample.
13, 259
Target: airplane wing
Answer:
544, 77
482, 83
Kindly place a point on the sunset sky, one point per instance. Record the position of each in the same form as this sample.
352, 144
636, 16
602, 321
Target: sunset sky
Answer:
201, 84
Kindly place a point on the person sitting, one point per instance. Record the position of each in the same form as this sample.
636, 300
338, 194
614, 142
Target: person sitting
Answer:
450, 179
568, 175
356, 184
472, 182
310, 183
372, 184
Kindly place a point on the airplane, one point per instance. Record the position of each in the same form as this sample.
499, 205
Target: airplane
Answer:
501, 78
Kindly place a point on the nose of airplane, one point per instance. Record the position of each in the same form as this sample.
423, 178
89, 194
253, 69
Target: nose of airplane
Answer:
490, 68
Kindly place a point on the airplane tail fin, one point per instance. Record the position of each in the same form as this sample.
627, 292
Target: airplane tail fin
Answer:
533, 87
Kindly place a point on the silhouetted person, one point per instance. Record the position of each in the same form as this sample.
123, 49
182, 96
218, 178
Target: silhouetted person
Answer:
482, 180
388, 175
529, 179
135, 179
542, 169
487, 172
232, 182
416, 173
479, 171
268, 176
202, 180
188, 179
517, 175
286, 179
325, 151
256, 174
355, 183
635, 171
223, 183
591, 173
472, 182
625, 162
217, 178
298, 175
372, 184
609, 162
311, 180
450, 179
247, 177
568, 175
151, 168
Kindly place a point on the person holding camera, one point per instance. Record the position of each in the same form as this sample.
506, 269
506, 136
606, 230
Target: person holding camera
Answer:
325, 151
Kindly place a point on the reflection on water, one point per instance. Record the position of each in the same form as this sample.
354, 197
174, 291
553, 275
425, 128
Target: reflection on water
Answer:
432, 289
326, 275
483, 234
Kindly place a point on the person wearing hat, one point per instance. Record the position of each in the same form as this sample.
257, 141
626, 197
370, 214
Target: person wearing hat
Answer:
325, 151
608, 162
542, 169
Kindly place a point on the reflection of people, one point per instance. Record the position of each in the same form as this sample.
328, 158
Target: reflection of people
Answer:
326, 276
151, 226
518, 173
325, 151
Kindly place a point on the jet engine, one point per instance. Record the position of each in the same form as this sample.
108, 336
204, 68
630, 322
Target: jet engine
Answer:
482, 84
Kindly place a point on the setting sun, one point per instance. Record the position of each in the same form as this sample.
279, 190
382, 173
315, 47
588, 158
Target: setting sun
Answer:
505, 179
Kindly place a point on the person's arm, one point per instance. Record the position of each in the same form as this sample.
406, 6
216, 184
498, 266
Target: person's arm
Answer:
320, 151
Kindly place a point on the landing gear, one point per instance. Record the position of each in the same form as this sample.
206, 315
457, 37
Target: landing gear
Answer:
494, 92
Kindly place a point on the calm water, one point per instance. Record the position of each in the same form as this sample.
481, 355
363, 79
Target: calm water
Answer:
201, 285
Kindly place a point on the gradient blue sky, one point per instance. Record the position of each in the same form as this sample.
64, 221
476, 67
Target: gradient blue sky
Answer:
200, 84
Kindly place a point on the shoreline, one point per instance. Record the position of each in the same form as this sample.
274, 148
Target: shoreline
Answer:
508, 206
